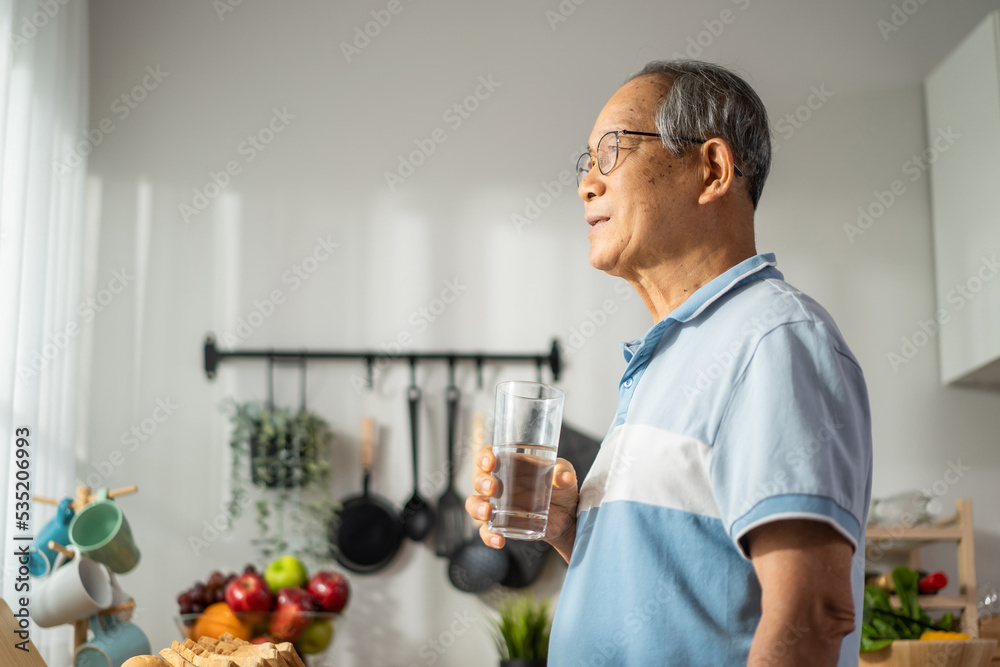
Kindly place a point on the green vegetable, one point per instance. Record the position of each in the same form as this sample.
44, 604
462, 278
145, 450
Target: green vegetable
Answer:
906, 582
882, 623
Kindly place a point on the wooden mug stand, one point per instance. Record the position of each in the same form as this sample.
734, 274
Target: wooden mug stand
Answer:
85, 496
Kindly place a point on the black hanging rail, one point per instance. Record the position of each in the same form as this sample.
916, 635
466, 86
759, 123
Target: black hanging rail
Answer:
213, 355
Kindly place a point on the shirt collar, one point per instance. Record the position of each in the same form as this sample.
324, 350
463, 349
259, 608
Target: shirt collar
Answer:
749, 270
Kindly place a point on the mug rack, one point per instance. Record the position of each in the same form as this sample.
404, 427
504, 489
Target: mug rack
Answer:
84, 497
552, 359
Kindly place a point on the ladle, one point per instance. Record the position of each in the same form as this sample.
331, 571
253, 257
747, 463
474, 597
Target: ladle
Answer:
418, 515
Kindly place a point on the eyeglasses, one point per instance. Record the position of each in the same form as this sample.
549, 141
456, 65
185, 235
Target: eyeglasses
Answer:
607, 153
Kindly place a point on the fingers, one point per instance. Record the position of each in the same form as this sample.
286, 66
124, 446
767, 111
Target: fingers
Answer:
478, 508
483, 484
485, 459
491, 539
565, 475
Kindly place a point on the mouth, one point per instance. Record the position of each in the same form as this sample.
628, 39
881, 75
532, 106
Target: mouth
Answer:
596, 222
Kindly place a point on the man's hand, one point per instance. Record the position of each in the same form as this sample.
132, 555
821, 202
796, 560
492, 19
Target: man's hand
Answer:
804, 568
561, 529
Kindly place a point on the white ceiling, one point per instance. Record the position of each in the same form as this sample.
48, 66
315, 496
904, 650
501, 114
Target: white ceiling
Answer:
788, 45
557, 74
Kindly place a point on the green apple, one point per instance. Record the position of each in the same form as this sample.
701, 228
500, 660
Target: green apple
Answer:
316, 637
286, 572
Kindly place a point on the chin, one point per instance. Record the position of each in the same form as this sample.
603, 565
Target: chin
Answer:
603, 264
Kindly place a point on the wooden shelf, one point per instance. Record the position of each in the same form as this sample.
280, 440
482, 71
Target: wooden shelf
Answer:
881, 541
937, 601
916, 534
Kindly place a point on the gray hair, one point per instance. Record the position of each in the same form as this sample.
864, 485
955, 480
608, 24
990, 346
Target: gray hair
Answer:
706, 100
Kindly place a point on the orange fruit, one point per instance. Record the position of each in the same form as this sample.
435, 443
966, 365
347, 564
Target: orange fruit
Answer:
218, 619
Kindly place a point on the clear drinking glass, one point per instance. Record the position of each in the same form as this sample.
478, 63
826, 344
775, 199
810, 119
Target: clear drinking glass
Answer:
526, 428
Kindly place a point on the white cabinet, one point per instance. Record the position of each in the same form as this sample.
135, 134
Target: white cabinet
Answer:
963, 131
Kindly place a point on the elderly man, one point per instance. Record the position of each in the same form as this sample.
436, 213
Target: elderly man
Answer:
723, 520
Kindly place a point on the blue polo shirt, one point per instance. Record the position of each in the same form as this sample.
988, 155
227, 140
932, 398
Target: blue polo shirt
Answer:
741, 407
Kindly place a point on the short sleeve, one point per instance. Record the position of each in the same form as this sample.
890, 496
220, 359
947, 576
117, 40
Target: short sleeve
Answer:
794, 441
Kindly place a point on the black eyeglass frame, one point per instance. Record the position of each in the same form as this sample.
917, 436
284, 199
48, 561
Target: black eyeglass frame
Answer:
581, 172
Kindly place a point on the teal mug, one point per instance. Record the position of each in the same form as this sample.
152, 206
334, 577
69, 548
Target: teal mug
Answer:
40, 557
100, 531
114, 642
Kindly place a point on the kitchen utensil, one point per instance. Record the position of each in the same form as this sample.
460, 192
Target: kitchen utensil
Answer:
527, 560
71, 593
367, 531
452, 520
475, 567
101, 532
114, 642
418, 515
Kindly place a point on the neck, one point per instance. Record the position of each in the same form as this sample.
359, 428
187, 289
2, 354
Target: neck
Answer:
667, 285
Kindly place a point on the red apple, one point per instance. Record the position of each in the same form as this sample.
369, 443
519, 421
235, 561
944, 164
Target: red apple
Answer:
295, 597
331, 591
291, 613
248, 593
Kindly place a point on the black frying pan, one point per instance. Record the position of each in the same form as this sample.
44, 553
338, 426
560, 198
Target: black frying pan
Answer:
367, 532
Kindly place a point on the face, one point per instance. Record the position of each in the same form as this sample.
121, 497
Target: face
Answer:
639, 213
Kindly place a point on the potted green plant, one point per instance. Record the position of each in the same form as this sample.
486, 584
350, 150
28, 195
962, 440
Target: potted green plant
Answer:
280, 459
521, 632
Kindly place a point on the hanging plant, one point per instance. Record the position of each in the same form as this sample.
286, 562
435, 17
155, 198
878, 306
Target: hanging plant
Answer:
280, 457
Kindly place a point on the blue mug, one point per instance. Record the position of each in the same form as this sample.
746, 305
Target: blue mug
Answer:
114, 642
40, 557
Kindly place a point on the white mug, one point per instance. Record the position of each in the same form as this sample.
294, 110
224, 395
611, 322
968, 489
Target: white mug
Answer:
118, 598
72, 592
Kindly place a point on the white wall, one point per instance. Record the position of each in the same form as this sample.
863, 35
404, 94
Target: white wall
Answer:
879, 286
451, 220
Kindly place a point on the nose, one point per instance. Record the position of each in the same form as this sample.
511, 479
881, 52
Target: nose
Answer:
591, 185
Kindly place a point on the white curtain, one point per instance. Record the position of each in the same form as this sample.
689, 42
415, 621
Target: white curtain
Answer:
43, 123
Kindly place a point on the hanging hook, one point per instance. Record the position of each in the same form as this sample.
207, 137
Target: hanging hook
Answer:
302, 383
451, 371
479, 373
413, 371
538, 368
370, 362
270, 382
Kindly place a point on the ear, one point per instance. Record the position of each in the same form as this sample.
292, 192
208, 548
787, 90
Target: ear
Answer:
716, 161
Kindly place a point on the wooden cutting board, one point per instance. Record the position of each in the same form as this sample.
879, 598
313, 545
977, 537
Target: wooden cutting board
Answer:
10, 656
912, 653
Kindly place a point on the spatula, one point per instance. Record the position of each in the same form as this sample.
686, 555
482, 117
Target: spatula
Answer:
452, 520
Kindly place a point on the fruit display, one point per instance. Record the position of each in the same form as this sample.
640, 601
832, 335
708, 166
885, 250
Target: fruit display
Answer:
255, 607
286, 572
330, 589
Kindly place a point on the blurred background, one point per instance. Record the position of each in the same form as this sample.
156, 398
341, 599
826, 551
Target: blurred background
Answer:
416, 150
